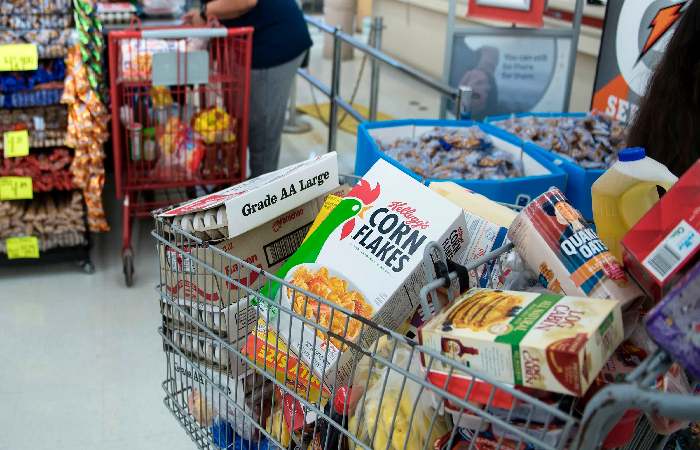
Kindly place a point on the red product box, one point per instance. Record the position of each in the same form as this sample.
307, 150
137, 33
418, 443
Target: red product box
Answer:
662, 245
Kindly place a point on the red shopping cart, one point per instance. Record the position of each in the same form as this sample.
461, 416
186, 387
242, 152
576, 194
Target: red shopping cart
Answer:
179, 116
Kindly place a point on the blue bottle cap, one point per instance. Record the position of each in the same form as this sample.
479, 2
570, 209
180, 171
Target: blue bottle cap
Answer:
631, 154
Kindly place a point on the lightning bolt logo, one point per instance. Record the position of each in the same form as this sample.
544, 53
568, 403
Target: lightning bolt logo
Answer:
660, 24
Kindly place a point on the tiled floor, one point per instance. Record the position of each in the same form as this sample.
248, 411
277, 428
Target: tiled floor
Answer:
80, 360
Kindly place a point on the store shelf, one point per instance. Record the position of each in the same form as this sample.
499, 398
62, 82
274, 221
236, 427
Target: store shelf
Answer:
41, 144
29, 99
28, 21
80, 254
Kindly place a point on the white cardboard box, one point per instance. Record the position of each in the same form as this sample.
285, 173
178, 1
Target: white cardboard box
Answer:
378, 251
259, 200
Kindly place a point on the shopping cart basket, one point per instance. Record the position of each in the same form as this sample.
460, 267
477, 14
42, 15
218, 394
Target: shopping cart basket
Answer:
227, 393
179, 115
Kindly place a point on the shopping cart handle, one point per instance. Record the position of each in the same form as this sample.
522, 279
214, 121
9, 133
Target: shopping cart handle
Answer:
442, 270
184, 33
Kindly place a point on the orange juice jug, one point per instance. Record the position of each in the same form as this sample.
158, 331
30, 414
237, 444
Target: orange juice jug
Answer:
624, 193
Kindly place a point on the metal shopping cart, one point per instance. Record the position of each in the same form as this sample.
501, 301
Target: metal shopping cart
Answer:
179, 115
229, 389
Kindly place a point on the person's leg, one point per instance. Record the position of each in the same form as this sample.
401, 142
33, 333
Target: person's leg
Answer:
269, 94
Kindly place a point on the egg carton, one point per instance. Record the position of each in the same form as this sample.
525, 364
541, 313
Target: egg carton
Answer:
207, 225
234, 321
201, 346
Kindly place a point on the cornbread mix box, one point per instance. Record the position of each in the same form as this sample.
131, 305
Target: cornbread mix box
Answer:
366, 257
240, 208
543, 341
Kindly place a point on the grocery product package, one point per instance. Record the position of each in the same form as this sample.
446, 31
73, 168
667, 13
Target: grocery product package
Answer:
137, 55
558, 244
674, 324
163, 7
366, 257
181, 150
487, 228
270, 351
392, 407
208, 399
265, 247
247, 205
665, 243
674, 381
231, 324
543, 341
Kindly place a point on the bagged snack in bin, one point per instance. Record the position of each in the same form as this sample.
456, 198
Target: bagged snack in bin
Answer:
398, 413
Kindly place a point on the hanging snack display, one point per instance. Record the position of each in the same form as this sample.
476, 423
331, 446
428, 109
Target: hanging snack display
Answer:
453, 154
592, 140
90, 41
87, 133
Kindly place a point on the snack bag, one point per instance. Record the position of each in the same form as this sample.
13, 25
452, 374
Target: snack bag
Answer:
674, 381
182, 151
392, 403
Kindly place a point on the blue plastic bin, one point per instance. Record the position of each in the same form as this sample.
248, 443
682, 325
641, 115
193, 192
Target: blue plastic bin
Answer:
578, 186
542, 173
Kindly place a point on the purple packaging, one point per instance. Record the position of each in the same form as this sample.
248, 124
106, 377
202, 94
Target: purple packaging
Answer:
674, 323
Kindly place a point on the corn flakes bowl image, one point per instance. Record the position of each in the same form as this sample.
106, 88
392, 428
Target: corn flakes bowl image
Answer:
334, 287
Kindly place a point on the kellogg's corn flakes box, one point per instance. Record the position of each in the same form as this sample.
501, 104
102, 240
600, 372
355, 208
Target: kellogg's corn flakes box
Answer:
544, 341
366, 259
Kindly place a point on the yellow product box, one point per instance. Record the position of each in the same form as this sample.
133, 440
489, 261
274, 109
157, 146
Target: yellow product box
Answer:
270, 351
544, 341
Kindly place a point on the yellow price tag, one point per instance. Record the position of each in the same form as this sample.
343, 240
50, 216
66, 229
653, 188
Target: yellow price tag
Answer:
16, 143
16, 188
22, 247
18, 57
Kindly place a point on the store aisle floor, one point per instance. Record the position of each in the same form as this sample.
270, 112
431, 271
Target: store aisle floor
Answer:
81, 362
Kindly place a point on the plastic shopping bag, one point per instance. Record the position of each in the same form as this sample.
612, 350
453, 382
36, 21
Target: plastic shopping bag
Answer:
393, 412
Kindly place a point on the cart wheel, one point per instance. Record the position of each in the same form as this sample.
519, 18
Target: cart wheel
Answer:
128, 262
88, 267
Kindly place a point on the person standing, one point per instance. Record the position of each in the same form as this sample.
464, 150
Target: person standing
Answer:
667, 123
280, 41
